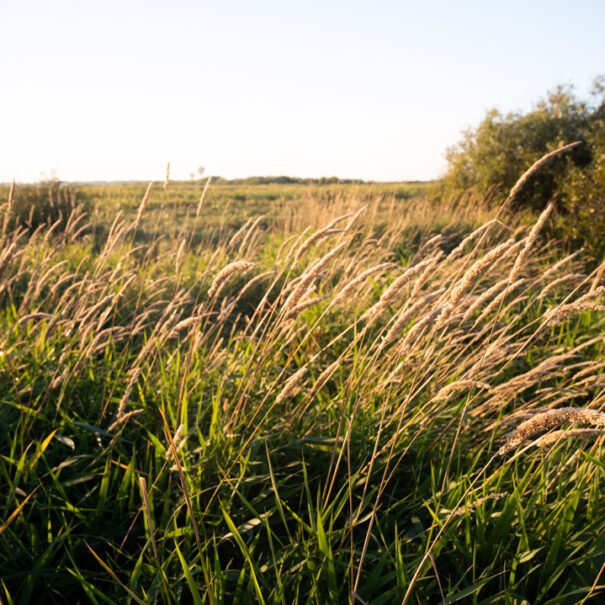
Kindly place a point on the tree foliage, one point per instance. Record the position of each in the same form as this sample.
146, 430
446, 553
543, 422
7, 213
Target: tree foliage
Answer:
490, 158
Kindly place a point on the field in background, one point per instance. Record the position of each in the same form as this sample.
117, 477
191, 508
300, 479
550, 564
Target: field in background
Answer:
297, 393
229, 203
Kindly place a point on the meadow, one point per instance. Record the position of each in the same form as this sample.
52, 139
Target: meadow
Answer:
297, 393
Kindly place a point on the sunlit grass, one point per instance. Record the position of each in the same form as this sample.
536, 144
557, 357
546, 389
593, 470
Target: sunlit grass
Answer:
262, 440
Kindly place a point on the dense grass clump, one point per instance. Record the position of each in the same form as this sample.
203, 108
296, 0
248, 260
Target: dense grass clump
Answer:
51, 204
317, 398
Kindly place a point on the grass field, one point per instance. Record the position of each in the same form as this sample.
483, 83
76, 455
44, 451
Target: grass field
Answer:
298, 393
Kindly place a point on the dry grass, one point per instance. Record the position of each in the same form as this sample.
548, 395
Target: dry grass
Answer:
316, 416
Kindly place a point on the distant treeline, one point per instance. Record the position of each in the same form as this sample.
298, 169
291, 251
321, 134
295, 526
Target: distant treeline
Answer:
287, 180
293, 180
251, 180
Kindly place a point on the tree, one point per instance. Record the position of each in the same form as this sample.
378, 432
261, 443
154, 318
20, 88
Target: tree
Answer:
490, 158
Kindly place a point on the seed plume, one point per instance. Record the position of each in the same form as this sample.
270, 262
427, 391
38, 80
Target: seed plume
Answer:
467, 280
529, 242
203, 196
458, 386
389, 295
360, 279
469, 238
142, 207
544, 421
536, 166
291, 385
314, 237
224, 274
405, 316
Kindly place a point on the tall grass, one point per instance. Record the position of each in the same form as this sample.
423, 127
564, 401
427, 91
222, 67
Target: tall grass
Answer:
327, 405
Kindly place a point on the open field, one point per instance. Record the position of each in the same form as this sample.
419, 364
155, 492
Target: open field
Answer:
296, 393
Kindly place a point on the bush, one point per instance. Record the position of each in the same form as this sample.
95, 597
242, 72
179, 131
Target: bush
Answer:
490, 159
583, 190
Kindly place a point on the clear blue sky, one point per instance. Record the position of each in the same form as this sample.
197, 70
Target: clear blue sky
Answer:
375, 89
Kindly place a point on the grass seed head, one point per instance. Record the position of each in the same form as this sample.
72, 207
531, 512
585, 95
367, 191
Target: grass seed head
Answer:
224, 274
545, 421
290, 387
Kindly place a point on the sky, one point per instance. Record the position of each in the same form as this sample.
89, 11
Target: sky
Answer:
374, 89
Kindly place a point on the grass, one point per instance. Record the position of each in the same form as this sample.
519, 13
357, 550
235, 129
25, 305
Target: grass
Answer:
175, 431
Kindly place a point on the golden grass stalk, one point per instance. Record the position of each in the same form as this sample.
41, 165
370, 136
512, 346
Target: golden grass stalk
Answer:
286, 241
415, 330
310, 274
227, 308
178, 442
466, 281
324, 376
203, 196
180, 253
292, 285
249, 233
592, 368
405, 316
167, 179
536, 166
459, 385
290, 387
305, 303
224, 274
575, 277
235, 237
362, 277
429, 270
184, 324
551, 270
341, 218
555, 436
320, 234
181, 473
545, 421
483, 298
117, 228
389, 295
34, 317
122, 414
294, 247
7, 257
523, 381
143, 486
142, 207
565, 311
355, 216
584, 303
428, 245
500, 297
529, 242
121, 419
160, 332
469, 238
252, 282
9, 208
597, 276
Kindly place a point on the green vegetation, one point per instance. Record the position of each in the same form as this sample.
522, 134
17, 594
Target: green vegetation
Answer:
49, 203
323, 426
490, 158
